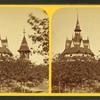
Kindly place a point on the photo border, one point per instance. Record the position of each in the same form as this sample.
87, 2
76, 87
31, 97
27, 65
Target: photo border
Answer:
50, 9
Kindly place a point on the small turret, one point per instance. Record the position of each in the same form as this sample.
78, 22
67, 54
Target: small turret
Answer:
77, 38
4, 42
68, 44
86, 43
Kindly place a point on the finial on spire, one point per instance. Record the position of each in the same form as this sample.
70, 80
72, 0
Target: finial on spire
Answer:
77, 18
24, 31
77, 28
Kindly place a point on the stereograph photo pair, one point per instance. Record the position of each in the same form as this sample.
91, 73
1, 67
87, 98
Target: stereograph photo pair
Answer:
25, 44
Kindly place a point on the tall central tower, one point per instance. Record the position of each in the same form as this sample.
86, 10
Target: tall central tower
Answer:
77, 38
77, 46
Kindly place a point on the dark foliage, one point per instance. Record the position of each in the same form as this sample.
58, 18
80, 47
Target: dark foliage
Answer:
40, 34
76, 73
22, 71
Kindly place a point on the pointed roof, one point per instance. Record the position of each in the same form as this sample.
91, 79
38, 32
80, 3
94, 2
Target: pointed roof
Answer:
77, 28
76, 50
24, 46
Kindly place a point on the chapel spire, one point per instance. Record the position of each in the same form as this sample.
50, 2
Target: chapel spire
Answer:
77, 37
24, 48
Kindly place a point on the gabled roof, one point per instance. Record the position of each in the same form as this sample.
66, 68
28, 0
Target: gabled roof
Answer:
76, 50
24, 46
5, 50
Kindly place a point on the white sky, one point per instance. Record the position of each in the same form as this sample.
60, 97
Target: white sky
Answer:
63, 25
12, 23
14, 20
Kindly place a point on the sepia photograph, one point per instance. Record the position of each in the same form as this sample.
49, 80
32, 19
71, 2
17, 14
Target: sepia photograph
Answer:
24, 46
76, 50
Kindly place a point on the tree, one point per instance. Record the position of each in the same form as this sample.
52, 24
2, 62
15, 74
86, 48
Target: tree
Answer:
76, 73
40, 35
